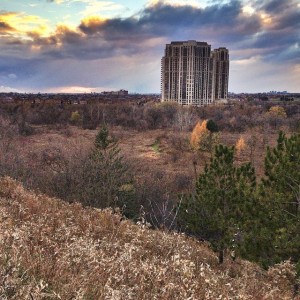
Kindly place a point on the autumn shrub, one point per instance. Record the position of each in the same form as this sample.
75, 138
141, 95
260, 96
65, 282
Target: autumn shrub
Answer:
276, 116
240, 146
204, 138
75, 117
198, 132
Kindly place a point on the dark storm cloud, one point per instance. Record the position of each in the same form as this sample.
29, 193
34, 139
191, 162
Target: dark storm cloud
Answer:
66, 43
274, 6
275, 39
167, 20
162, 14
280, 39
112, 29
277, 6
278, 48
223, 23
62, 35
290, 20
284, 13
26, 69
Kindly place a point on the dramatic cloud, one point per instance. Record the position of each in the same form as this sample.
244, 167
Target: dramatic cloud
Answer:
167, 20
19, 24
262, 36
4, 27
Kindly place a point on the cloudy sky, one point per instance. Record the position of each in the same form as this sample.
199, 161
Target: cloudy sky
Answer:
93, 45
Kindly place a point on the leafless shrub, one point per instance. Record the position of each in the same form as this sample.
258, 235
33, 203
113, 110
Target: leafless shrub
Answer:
185, 118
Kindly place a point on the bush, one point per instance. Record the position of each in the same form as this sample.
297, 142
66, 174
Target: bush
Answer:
75, 117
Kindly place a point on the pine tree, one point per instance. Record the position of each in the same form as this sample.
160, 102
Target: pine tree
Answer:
107, 179
222, 203
212, 126
103, 140
281, 190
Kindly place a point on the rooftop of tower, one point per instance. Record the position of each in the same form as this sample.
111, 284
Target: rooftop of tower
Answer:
189, 42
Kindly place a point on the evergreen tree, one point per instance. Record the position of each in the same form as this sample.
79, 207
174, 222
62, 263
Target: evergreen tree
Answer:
222, 205
212, 126
107, 179
103, 140
282, 170
281, 191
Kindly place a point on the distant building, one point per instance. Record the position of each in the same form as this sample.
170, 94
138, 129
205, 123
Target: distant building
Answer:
116, 93
192, 74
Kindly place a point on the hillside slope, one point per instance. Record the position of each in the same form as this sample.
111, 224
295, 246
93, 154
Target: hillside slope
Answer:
53, 250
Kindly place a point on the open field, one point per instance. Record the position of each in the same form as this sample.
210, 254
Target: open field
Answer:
159, 150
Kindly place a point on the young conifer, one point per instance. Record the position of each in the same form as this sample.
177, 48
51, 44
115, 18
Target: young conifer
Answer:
222, 203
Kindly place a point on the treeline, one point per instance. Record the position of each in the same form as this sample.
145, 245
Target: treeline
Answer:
151, 115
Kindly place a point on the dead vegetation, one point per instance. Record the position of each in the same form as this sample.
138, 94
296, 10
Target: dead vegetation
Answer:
53, 250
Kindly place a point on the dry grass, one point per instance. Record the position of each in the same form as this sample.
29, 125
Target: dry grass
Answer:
53, 250
174, 156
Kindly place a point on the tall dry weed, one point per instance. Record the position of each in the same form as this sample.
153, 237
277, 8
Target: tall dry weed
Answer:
53, 250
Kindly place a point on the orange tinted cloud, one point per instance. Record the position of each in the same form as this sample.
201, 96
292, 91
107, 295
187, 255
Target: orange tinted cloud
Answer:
4, 27
92, 24
19, 24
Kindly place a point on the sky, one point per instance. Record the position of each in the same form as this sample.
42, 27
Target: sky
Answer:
92, 45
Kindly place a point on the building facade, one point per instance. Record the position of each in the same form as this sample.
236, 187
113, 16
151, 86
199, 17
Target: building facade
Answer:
192, 74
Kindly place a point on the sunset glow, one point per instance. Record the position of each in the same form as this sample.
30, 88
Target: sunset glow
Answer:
90, 43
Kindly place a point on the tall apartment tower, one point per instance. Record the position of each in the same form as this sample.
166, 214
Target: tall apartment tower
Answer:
221, 71
192, 74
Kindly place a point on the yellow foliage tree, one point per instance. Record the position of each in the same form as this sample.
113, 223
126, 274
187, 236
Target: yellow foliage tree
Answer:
277, 111
198, 132
75, 117
240, 145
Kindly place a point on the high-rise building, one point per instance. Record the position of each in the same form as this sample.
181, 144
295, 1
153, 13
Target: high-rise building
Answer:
192, 74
